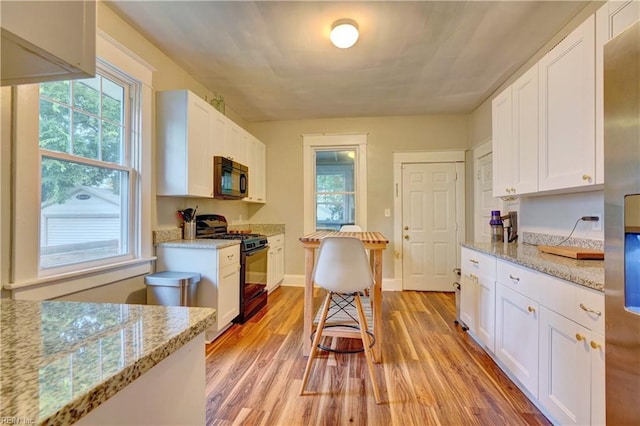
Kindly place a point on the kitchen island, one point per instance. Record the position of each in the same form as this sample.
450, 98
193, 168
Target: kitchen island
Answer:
98, 363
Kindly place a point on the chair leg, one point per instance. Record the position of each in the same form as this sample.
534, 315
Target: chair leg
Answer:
316, 341
366, 342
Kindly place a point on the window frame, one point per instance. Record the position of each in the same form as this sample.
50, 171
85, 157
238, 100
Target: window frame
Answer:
25, 281
323, 142
129, 145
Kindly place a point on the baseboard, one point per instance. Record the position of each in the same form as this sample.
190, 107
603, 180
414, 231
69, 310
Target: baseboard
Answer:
388, 284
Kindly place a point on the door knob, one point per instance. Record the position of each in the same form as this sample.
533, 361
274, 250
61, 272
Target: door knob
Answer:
406, 237
406, 228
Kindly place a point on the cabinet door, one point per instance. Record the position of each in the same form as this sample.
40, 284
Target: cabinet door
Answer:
502, 121
185, 167
280, 264
517, 336
525, 132
565, 369
598, 395
228, 294
611, 19
218, 134
468, 301
261, 172
567, 113
47, 41
199, 167
486, 313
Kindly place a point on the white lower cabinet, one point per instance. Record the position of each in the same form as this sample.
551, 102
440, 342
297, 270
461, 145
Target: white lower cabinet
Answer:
517, 336
275, 262
477, 310
548, 334
571, 373
219, 285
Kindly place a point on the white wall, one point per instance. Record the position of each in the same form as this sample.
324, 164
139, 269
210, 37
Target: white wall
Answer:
557, 214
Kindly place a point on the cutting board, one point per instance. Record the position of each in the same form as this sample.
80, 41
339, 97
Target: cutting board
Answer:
573, 252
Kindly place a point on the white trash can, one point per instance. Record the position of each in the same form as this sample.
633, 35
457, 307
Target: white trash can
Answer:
169, 288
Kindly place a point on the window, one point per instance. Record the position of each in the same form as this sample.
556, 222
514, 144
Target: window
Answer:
83, 159
87, 179
335, 181
335, 189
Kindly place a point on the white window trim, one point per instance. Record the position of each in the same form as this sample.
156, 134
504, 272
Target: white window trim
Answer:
25, 201
339, 141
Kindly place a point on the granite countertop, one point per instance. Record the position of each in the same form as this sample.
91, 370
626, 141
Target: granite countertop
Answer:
588, 273
60, 360
200, 243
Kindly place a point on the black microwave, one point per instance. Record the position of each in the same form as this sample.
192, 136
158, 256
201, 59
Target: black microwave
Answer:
230, 179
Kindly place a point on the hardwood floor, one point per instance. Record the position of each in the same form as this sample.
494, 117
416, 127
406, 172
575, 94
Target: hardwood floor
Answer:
431, 372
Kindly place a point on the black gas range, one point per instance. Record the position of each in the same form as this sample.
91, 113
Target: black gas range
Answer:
253, 262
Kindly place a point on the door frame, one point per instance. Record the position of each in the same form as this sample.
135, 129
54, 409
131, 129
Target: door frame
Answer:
400, 158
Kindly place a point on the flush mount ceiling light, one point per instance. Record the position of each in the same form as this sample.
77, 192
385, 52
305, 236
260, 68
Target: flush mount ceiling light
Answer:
344, 33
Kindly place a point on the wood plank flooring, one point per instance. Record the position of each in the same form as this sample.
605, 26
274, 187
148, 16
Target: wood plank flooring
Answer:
432, 373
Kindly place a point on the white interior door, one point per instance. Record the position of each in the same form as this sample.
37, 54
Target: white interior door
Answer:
429, 226
484, 201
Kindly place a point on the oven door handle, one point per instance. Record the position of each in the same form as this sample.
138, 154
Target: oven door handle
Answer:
258, 251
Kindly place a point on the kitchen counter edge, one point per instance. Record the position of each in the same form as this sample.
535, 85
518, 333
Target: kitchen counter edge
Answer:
200, 244
159, 345
587, 273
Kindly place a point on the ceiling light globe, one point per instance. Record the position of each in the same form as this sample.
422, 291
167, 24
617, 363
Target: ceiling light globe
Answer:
344, 34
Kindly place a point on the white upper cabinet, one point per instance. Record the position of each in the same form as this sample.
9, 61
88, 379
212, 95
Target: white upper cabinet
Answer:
515, 137
236, 140
611, 19
185, 163
190, 133
219, 124
567, 114
46, 41
502, 123
256, 161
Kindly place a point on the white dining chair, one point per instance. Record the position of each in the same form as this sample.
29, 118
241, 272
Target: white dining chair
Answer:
350, 228
343, 270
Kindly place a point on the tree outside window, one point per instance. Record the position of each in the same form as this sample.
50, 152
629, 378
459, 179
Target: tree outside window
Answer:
85, 170
335, 189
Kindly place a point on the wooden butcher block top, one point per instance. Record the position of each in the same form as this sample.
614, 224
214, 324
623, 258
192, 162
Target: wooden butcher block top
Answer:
573, 252
365, 237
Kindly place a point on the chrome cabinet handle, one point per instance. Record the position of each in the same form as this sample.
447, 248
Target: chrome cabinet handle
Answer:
587, 309
475, 262
514, 278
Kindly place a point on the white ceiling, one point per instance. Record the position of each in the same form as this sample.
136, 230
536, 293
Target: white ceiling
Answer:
274, 61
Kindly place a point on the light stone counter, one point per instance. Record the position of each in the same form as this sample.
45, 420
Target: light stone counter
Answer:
200, 243
61, 360
588, 273
268, 229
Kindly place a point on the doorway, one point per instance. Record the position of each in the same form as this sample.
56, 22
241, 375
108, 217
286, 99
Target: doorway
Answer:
429, 225
484, 201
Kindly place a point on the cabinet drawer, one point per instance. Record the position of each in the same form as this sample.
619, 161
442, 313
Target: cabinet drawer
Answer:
228, 256
276, 240
589, 309
477, 263
523, 280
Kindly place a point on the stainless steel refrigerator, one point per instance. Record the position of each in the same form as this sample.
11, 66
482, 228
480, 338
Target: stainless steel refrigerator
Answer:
622, 226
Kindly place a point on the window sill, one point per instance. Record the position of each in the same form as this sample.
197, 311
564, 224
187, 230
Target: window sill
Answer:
60, 285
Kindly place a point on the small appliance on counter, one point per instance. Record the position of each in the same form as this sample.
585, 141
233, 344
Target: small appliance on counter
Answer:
499, 224
253, 262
